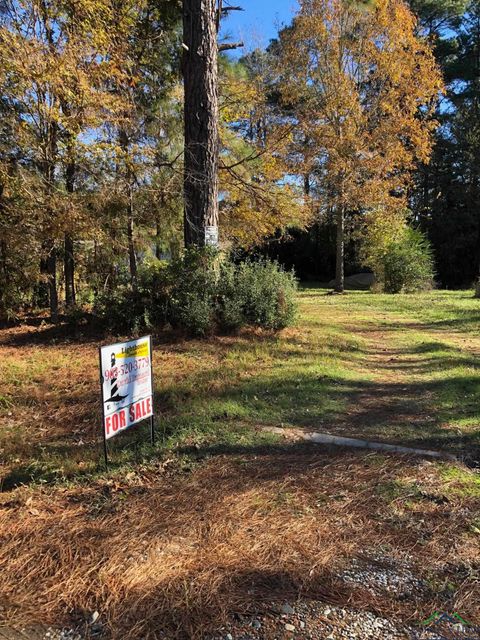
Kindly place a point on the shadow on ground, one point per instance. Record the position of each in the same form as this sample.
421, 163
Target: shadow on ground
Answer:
178, 553
207, 404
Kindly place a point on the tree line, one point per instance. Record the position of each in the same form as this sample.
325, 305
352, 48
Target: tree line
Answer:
127, 134
441, 200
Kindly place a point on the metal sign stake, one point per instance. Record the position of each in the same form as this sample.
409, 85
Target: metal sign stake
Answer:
105, 450
152, 417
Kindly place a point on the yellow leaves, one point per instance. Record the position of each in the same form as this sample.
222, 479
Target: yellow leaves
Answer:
239, 96
357, 77
256, 199
249, 214
381, 227
63, 80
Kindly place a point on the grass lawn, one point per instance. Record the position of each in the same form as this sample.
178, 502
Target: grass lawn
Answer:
223, 511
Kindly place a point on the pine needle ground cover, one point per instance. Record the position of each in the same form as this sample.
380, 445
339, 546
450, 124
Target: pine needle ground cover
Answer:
222, 517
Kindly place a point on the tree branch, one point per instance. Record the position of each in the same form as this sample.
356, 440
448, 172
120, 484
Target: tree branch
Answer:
258, 154
226, 46
219, 13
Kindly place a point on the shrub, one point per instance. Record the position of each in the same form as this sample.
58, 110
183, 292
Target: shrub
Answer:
408, 263
258, 293
477, 288
399, 256
200, 292
122, 310
193, 289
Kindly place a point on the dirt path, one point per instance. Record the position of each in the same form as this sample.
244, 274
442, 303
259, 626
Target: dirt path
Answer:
409, 376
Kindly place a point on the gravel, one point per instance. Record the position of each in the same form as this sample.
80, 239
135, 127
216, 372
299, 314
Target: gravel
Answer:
62, 634
313, 620
392, 577
379, 574
318, 621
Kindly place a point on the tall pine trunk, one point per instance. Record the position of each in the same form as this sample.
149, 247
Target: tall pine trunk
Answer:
200, 75
340, 261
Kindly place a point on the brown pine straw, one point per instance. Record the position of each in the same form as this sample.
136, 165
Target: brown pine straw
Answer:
173, 555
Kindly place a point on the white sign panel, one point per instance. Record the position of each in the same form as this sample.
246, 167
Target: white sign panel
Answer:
211, 236
127, 390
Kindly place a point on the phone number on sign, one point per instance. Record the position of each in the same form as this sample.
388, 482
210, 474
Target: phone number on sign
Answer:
128, 367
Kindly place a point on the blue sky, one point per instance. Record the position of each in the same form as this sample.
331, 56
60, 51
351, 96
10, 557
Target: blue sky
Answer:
259, 21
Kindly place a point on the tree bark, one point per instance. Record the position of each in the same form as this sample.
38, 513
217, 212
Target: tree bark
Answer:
306, 184
124, 141
69, 270
48, 264
69, 258
340, 268
200, 75
158, 249
132, 256
48, 261
48, 268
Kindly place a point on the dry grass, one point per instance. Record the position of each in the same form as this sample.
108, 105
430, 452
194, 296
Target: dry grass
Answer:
169, 554
171, 543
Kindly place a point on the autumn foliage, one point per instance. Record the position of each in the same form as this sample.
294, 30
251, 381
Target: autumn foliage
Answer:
330, 120
361, 86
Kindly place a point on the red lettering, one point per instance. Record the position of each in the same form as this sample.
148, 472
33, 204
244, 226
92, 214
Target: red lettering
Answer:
115, 422
149, 405
108, 424
122, 419
138, 411
131, 412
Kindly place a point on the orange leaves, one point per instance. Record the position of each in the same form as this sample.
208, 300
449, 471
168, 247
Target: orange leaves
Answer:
256, 198
362, 84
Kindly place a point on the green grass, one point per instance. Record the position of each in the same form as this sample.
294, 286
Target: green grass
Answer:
460, 482
392, 368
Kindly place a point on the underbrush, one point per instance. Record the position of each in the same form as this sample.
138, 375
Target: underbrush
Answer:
201, 293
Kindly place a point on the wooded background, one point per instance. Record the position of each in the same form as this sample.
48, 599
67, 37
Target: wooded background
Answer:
359, 116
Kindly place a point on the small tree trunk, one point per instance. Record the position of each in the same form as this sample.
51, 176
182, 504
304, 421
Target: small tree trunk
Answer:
340, 263
41, 293
129, 178
51, 273
48, 264
47, 288
200, 119
158, 249
69, 258
69, 270
306, 184
132, 257
3, 260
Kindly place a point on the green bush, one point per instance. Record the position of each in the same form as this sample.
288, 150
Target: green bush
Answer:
408, 263
199, 293
122, 310
258, 293
399, 256
193, 290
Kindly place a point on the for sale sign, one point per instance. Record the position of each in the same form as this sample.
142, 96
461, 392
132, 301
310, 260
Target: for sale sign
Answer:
127, 389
